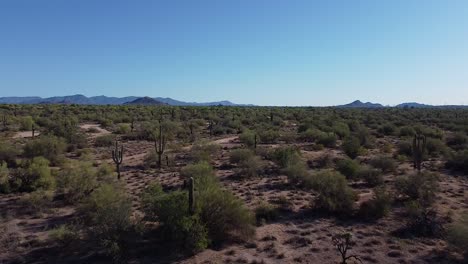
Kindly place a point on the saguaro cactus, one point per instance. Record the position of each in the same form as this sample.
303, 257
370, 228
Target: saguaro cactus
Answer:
4, 121
419, 146
160, 144
191, 189
117, 156
255, 141
132, 125
210, 127
33, 128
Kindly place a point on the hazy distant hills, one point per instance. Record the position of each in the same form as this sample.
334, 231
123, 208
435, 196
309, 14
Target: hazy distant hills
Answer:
145, 101
359, 104
102, 100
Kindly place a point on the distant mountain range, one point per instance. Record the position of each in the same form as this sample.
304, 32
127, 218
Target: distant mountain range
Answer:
104, 100
145, 101
359, 104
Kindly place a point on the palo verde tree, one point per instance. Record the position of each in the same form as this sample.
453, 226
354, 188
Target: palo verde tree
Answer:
343, 243
419, 146
117, 157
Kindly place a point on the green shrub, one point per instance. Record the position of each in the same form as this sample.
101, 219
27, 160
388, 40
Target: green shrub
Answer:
269, 136
33, 175
26, 123
296, 170
251, 167
8, 154
265, 213
348, 168
77, 180
407, 131
335, 195
458, 162
123, 129
240, 155
49, 147
327, 139
283, 156
386, 164
341, 129
37, 202
377, 207
107, 213
423, 220
435, 147
351, 146
64, 235
387, 129
203, 150
419, 186
4, 178
373, 177
105, 141
457, 234
202, 173
248, 138
405, 148
457, 141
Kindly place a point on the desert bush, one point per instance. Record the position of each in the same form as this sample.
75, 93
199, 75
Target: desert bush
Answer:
327, 139
77, 180
457, 234
107, 214
419, 186
248, 138
335, 195
4, 178
458, 162
37, 202
377, 207
310, 135
64, 235
407, 131
373, 177
26, 123
172, 211
296, 170
93, 130
351, 146
123, 129
341, 129
387, 129
386, 164
348, 168
105, 141
405, 148
49, 147
202, 173
269, 136
33, 175
283, 156
457, 141
435, 146
203, 150
8, 154
251, 167
265, 213
240, 155
423, 220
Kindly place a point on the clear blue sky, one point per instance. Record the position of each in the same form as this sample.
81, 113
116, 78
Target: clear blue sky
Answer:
271, 52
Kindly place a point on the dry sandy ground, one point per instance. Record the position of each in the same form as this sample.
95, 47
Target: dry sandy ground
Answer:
299, 236
25, 134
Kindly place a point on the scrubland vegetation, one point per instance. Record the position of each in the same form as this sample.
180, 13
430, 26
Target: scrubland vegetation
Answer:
145, 184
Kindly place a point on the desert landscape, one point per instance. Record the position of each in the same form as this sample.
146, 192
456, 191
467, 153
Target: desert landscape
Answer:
228, 184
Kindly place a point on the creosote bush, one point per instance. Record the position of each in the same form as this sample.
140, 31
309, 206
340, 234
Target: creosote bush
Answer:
335, 195
49, 147
348, 167
386, 164
418, 186
105, 141
378, 207
373, 177
266, 212
204, 150
352, 146
107, 214
457, 234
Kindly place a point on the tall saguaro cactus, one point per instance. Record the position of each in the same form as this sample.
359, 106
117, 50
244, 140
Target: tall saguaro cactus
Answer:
191, 189
160, 144
33, 129
4, 122
117, 156
419, 146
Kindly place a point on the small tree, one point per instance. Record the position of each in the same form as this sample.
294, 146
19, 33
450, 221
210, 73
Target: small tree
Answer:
117, 157
343, 244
